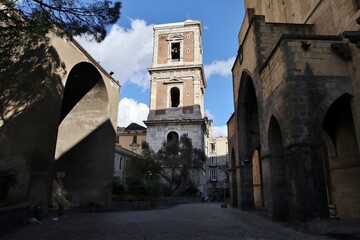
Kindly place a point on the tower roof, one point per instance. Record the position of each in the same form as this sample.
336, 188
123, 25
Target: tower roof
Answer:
134, 126
178, 24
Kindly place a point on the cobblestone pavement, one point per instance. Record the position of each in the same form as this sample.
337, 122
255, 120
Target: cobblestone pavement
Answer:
191, 221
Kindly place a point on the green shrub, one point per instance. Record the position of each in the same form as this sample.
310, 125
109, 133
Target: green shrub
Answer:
118, 188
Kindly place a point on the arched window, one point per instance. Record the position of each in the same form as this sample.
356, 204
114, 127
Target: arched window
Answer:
172, 137
175, 97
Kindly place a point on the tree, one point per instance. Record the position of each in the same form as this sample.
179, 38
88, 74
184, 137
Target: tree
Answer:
64, 17
178, 160
142, 174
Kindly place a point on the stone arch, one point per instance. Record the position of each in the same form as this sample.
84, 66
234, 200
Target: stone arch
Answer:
82, 79
84, 151
330, 98
233, 180
174, 97
274, 174
172, 137
248, 136
248, 116
343, 158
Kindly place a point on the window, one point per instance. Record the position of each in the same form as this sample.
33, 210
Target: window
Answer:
117, 139
213, 161
120, 161
172, 137
175, 51
134, 139
175, 97
212, 147
213, 175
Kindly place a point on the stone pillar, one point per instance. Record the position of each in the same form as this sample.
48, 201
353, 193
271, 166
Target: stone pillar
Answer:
233, 187
275, 186
305, 180
246, 197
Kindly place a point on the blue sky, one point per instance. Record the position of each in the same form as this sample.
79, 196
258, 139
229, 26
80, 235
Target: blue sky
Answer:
127, 51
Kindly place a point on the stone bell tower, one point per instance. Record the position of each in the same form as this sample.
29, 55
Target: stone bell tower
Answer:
177, 85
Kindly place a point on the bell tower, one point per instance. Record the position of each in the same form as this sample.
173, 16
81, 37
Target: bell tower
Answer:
177, 85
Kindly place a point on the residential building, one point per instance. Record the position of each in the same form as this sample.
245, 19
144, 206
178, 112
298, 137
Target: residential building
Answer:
121, 157
217, 169
131, 137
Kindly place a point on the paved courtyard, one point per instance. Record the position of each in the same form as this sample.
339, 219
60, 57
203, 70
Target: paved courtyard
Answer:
191, 221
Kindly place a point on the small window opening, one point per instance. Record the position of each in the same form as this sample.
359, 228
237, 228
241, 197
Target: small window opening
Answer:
213, 147
172, 137
213, 175
120, 162
213, 161
175, 97
134, 139
175, 51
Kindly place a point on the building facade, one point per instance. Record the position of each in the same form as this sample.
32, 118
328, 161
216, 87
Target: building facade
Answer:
217, 169
177, 86
121, 157
294, 135
131, 137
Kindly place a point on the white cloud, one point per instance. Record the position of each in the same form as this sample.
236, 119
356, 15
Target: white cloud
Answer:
126, 52
222, 68
131, 111
219, 131
209, 115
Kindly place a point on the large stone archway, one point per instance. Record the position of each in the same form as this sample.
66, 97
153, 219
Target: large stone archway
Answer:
341, 160
274, 173
249, 139
84, 151
41, 115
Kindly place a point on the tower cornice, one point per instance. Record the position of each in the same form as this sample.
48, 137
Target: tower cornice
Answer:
180, 67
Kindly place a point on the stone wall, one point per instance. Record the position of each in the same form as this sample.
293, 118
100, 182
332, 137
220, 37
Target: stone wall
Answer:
46, 115
157, 134
288, 80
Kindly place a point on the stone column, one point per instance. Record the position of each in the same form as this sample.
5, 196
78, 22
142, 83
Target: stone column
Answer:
304, 175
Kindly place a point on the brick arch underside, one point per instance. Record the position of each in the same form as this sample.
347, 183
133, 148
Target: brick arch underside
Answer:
84, 152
